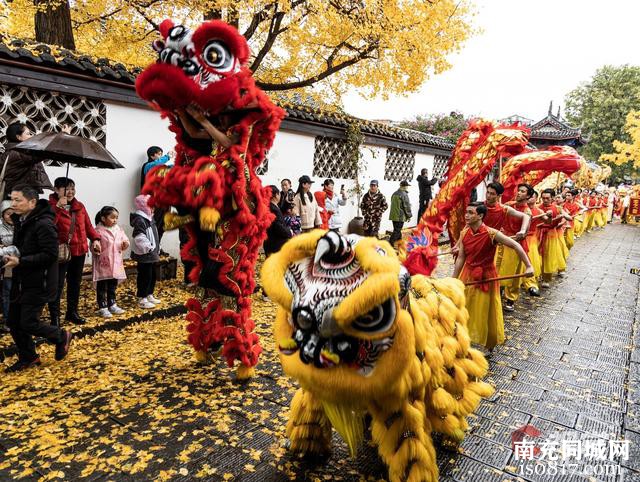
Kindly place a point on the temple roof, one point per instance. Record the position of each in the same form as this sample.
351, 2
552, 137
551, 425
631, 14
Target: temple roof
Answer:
554, 128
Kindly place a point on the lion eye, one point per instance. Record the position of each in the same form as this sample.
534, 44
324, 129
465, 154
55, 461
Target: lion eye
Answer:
379, 319
304, 318
218, 56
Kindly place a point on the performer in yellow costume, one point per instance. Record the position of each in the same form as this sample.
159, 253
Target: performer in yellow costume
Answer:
507, 261
553, 260
562, 229
475, 262
533, 246
573, 209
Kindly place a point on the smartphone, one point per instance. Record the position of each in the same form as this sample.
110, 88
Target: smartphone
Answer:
342, 187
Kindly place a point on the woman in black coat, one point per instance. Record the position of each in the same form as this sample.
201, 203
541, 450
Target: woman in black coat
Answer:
278, 233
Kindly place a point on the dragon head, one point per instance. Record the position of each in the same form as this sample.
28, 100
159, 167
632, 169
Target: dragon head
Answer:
342, 314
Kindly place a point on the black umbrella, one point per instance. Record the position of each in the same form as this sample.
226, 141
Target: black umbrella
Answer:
61, 148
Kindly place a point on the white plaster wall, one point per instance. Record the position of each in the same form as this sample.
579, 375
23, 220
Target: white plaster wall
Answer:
130, 131
292, 156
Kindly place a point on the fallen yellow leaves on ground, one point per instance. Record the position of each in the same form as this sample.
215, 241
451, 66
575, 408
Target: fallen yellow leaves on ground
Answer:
133, 405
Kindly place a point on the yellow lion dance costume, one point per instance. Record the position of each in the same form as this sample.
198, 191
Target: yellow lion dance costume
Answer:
361, 336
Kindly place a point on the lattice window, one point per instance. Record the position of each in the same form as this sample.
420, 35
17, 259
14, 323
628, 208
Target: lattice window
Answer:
440, 166
45, 111
262, 169
399, 164
331, 158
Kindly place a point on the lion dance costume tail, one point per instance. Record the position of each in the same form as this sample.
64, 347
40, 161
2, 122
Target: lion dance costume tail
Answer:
217, 197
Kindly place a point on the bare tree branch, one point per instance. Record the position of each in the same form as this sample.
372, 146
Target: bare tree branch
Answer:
256, 20
146, 17
322, 75
274, 31
110, 14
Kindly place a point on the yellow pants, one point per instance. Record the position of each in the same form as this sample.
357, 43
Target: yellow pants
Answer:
552, 255
589, 217
507, 264
486, 325
578, 225
564, 250
600, 220
536, 262
569, 237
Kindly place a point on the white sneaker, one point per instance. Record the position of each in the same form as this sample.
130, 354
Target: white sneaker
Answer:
544, 284
115, 309
153, 299
104, 312
560, 274
145, 303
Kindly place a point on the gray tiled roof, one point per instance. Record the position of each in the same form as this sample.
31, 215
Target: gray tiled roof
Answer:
552, 127
297, 107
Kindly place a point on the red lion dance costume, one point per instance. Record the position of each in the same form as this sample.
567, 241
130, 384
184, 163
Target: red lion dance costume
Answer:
219, 199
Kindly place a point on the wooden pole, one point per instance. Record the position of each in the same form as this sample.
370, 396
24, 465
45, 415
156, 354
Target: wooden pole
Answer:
499, 278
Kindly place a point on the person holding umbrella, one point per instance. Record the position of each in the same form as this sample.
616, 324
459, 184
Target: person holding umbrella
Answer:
19, 167
74, 227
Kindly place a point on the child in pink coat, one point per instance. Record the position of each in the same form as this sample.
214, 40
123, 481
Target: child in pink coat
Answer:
108, 266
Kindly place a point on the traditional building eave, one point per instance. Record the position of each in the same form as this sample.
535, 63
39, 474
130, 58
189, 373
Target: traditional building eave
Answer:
47, 67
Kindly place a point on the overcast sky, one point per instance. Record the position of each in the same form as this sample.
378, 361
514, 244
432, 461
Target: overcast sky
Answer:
528, 54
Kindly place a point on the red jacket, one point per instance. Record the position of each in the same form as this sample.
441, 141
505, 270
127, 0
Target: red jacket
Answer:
83, 228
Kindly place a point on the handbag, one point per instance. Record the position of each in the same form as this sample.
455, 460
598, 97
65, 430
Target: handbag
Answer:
64, 249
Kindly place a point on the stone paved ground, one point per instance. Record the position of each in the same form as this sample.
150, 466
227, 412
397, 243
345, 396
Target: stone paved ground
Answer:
569, 367
131, 406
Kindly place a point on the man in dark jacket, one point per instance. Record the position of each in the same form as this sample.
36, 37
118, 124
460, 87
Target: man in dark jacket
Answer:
424, 184
22, 168
35, 274
278, 232
400, 211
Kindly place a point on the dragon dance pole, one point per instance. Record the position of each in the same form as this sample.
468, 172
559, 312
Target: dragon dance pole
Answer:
499, 278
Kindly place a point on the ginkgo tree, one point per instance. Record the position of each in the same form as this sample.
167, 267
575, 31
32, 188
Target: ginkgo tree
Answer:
627, 152
380, 47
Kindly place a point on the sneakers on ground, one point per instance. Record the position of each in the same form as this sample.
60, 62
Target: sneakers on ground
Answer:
153, 299
508, 305
560, 274
544, 284
105, 313
145, 303
23, 365
534, 291
115, 309
62, 348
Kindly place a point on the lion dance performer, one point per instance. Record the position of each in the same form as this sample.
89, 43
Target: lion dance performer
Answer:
361, 336
223, 125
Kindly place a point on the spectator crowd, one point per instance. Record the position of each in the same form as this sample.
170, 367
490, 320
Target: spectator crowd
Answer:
45, 243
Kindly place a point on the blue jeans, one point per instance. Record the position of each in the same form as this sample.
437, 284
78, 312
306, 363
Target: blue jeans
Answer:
6, 294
